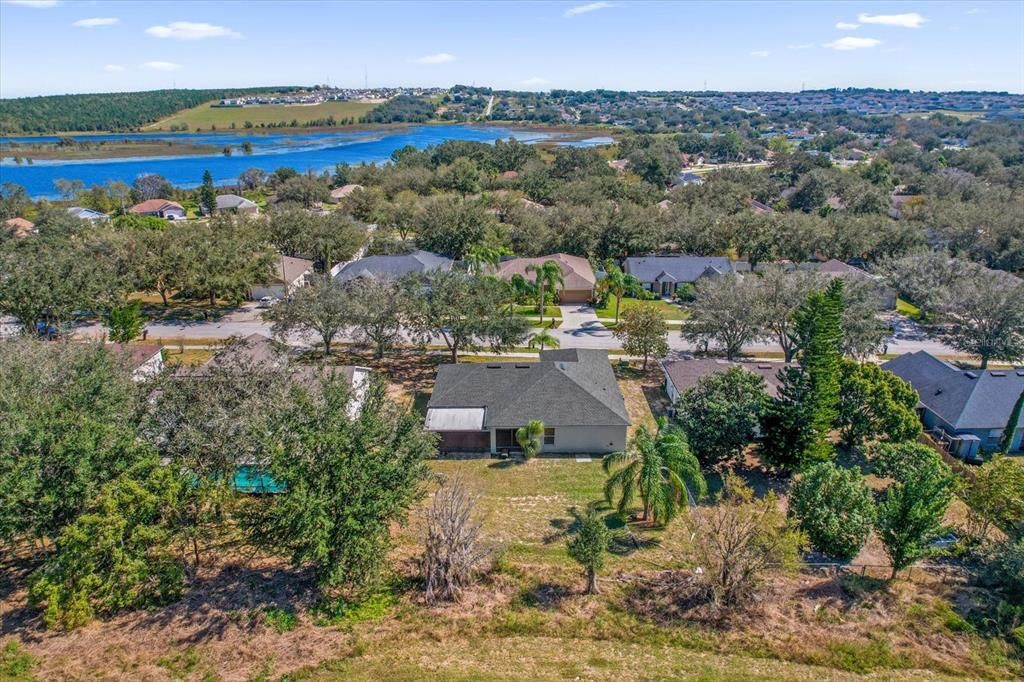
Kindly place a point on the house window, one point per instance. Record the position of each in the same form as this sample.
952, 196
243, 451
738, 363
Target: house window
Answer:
549, 436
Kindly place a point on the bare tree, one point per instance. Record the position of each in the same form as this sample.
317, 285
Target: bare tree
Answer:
453, 552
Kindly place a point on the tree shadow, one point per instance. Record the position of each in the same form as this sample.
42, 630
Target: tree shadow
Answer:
761, 480
546, 596
623, 542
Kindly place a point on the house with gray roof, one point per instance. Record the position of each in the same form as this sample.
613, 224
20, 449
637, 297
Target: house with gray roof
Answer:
89, 214
477, 407
394, 266
968, 408
232, 203
664, 274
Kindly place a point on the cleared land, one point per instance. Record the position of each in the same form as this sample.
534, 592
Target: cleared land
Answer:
204, 117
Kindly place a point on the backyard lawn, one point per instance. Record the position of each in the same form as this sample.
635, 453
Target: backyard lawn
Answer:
671, 311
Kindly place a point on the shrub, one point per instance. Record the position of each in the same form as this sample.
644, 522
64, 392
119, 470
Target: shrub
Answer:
835, 508
720, 413
453, 552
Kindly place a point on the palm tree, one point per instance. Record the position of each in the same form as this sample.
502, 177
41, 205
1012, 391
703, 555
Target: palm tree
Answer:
543, 338
548, 274
481, 256
658, 467
614, 283
530, 438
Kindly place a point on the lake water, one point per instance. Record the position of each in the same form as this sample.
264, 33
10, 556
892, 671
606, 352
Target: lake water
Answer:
316, 151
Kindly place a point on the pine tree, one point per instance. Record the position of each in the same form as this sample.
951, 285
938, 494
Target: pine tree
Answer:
207, 194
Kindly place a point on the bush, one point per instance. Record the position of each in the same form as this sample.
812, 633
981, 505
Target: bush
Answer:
900, 460
1005, 570
720, 413
835, 508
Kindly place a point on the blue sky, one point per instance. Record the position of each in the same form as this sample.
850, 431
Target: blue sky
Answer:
49, 46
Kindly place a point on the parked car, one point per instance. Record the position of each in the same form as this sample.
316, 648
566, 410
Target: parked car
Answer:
267, 302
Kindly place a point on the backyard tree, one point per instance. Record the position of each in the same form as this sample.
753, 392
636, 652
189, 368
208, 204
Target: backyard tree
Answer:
995, 498
453, 549
643, 332
659, 469
720, 414
349, 477
321, 307
911, 514
451, 226
589, 544
531, 438
819, 326
875, 404
834, 506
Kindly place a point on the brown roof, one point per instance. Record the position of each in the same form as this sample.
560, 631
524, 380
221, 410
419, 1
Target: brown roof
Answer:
293, 268
576, 271
510, 174
344, 191
19, 226
686, 372
154, 206
137, 354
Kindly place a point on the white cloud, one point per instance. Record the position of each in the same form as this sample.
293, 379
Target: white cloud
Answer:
852, 43
96, 21
191, 30
976, 10
534, 81
113, 68
438, 58
760, 53
589, 7
847, 26
800, 46
35, 4
910, 20
161, 66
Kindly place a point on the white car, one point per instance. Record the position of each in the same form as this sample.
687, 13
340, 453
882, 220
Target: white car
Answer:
267, 302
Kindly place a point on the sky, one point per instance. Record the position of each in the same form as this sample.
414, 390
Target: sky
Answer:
65, 46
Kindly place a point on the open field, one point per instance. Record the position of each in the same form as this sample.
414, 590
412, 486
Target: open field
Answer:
962, 115
204, 117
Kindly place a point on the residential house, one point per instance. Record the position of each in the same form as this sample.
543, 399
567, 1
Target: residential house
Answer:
576, 271
232, 203
20, 227
685, 179
145, 360
664, 274
477, 407
837, 268
619, 164
160, 208
682, 374
88, 214
339, 193
967, 409
289, 274
394, 266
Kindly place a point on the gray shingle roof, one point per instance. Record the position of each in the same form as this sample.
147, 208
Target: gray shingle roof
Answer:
972, 399
227, 202
394, 266
568, 387
675, 268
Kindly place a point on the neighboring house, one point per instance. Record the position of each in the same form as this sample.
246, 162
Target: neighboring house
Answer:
968, 408
161, 208
394, 267
145, 360
685, 179
88, 214
664, 206
509, 175
619, 164
477, 407
20, 227
682, 374
664, 274
289, 274
759, 207
232, 203
837, 268
576, 271
339, 193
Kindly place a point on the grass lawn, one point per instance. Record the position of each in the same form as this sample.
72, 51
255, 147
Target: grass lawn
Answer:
204, 117
671, 311
531, 311
908, 309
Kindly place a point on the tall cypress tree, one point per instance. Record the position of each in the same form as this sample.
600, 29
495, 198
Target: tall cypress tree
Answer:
207, 194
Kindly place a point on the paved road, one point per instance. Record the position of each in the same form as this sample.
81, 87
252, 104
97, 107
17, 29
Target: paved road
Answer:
580, 329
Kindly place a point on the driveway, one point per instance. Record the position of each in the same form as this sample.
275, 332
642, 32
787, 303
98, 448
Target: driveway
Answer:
581, 329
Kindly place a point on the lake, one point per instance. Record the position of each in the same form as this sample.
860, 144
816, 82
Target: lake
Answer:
316, 151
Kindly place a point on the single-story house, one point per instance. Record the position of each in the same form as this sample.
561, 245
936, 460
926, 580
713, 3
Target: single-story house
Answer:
837, 268
289, 274
339, 193
969, 408
88, 214
686, 179
682, 374
477, 407
145, 360
20, 227
232, 203
576, 271
393, 267
161, 208
664, 274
